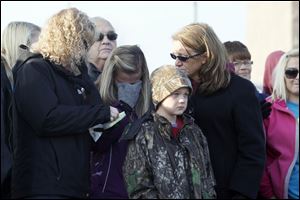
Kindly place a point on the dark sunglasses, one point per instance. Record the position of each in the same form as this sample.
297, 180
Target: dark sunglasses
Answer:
110, 35
291, 73
183, 58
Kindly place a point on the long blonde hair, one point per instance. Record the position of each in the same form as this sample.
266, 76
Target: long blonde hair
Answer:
66, 38
201, 38
128, 59
15, 34
279, 86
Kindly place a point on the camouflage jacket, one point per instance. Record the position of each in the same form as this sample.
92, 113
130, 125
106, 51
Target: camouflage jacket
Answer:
158, 165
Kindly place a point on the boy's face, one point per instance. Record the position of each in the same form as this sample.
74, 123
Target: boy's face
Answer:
176, 103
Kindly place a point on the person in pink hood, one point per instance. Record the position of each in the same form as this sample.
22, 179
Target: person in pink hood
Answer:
270, 64
281, 175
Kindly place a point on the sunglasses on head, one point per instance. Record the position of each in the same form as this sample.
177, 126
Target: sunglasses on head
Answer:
183, 58
110, 35
291, 73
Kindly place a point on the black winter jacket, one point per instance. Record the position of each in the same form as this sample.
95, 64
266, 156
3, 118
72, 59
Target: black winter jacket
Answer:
6, 133
53, 110
232, 123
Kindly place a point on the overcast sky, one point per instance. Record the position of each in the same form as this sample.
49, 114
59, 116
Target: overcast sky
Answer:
147, 24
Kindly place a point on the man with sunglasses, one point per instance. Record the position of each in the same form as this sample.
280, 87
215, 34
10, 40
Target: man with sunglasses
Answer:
281, 175
102, 48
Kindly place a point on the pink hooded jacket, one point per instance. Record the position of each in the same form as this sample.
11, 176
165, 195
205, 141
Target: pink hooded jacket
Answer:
282, 140
270, 64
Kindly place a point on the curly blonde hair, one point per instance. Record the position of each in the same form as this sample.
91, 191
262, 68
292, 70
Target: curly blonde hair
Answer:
66, 39
15, 34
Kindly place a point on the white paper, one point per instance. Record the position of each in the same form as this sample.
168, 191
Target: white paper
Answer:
96, 134
108, 125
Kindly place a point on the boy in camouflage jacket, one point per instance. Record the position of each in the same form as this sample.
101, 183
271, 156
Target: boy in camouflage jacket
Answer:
169, 158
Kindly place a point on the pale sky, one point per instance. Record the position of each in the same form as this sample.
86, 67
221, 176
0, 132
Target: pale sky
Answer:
147, 24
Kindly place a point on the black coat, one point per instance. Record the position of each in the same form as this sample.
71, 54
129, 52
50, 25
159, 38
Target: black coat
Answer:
232, 123
52, 114
6, 133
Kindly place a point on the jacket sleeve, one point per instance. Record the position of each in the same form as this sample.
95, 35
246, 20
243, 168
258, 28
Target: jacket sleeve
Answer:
250, 162
137, 170
110, 136
38, 103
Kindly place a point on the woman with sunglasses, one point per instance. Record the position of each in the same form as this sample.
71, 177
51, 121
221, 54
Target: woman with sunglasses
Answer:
225, 107
281, 176
103, 46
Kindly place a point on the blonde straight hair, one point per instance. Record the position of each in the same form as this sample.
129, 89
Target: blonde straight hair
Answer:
15, 34
279, 86
131, 60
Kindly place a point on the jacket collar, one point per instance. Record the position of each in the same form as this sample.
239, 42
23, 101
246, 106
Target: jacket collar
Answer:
164, 124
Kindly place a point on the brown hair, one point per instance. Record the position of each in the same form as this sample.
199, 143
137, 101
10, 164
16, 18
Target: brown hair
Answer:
237, 51
201, 38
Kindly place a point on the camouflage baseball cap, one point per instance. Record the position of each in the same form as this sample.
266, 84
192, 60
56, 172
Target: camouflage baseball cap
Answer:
165, 80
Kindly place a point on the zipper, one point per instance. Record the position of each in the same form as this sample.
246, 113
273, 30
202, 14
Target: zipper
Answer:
108, 169
171, 156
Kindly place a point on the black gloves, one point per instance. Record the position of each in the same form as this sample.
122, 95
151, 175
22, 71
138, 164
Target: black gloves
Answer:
265, 108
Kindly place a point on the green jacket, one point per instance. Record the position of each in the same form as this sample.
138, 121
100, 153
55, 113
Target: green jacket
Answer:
158, 165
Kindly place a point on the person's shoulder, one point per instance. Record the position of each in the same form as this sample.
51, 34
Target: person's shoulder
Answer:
30, 60
241, 84
27, 65
145, 133
34, 59
137, 127
189, 122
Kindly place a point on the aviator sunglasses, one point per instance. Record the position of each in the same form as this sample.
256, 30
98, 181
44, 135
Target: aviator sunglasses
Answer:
183, 58
110, 35
291, 73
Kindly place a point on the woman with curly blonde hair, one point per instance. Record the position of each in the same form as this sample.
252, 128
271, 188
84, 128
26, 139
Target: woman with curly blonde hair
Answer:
59, 104
66, 39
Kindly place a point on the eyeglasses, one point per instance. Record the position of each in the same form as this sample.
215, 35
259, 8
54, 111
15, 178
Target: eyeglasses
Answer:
183, 58
247, 63
110, 35
291, 73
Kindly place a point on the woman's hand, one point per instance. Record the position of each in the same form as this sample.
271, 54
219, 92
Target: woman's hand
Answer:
114, 113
